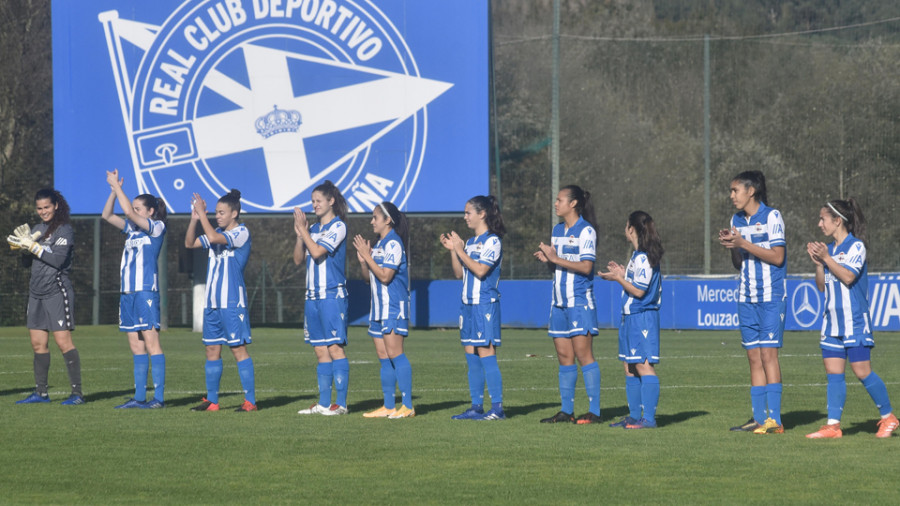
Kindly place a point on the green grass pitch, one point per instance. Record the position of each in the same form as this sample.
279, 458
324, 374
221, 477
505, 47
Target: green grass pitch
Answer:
95, 454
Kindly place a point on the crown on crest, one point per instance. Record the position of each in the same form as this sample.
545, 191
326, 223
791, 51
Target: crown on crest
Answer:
277, 121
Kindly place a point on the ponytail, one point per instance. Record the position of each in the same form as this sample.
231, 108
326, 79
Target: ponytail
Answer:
851, 215
648, 239
583, 206
492, 217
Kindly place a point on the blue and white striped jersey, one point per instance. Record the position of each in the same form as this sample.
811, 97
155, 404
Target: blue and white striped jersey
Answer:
391, 300
761, 282
847, 307
139, 258
325, 277
485, 249
575, 244
225, 272
640, 274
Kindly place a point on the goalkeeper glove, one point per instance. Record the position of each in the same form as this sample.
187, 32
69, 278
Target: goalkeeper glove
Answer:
26, 243
22, 231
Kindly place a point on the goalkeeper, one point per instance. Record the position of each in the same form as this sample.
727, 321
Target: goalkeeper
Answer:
47, 250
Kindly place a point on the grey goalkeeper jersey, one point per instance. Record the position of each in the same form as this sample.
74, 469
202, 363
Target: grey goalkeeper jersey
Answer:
50, 272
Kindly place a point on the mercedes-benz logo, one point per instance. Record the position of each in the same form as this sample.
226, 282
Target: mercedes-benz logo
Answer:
806, 304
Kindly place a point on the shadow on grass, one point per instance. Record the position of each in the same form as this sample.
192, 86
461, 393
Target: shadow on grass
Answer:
529, 408
867, 427
369, 405
20, 391
667, 420
110, 394
282, 400
796, 418
225, 400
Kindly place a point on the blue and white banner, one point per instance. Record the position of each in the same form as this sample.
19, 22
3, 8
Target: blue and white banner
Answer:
386, 98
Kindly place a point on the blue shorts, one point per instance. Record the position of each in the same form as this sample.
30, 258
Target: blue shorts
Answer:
230, 326
399, 326
479, 324
639, 338
839, 343
570, 322
853, 353
325, 322
138, 311
762, 324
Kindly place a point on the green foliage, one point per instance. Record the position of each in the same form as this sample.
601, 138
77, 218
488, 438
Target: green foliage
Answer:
96, 454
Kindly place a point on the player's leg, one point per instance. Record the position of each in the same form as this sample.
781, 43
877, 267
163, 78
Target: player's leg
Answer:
834, 360
40, 346
474, 367
772, 326
488, 358
590, 371
336, 310
387, 374
860, 362
568, 372
238, 325
149, 304
141, 366
393, 342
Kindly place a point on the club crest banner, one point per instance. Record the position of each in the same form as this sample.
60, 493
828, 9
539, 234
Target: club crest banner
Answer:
388, 99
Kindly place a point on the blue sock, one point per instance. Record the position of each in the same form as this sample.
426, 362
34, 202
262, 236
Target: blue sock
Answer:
158, 372
404, 378
388, 382
758, 401
878, 392
325, 376
141, 367
650, 396
494, 379
633, 396
773, 399
836, 395
248, 379
476, 380
591, 375
341, 380
213, 377
568, 375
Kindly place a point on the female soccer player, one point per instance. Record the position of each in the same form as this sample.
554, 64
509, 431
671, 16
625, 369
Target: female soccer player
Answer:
573, 317
47, 250
145, 227
324, 247
842, 273
757, 245
225, 319
387, 269
639, 331
478, 261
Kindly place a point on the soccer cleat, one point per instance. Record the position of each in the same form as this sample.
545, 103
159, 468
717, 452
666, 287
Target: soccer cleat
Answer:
336, 409
587, 418
769, 427
402, 412
315, 409
625, 421
749, 426
561, 417
73, 400
206, 406
827, 432
887, 425
153, 404
35, 398
494, 414
643, 423
131, 403
470, 414
246, 406
381, 412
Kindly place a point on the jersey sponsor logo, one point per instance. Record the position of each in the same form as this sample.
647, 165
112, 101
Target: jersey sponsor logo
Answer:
589, 244
778, 230
806, 304
286, 93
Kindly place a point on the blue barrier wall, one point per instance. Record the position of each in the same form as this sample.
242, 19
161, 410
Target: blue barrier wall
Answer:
688, 303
